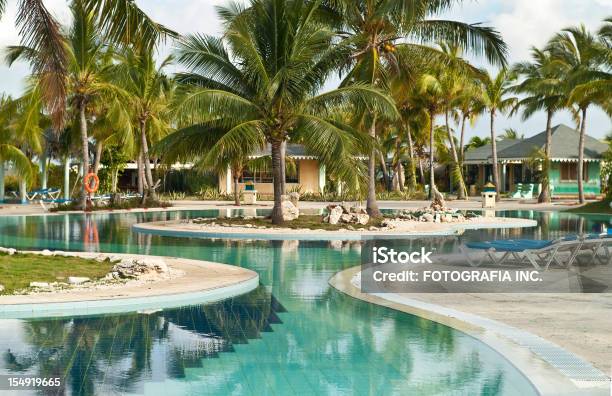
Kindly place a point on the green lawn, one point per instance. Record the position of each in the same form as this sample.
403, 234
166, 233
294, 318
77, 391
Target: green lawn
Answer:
17, 271
311, 222
593, 207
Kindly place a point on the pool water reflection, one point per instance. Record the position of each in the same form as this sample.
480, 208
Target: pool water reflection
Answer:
294, 334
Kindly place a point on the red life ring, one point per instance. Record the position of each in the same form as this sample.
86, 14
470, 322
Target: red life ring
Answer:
87, 181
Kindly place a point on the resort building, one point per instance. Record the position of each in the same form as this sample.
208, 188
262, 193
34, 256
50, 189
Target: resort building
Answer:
520, 180
307, 176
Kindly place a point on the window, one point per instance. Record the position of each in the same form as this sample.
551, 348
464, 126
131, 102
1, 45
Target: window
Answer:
259, 176
569, 171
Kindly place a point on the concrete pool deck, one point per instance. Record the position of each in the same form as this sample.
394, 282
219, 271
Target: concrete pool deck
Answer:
402, 229
522, 327
192, 282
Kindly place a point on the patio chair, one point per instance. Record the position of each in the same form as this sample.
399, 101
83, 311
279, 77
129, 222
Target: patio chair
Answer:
596, 243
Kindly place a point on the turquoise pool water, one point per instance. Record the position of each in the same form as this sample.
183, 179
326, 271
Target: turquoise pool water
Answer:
293, 335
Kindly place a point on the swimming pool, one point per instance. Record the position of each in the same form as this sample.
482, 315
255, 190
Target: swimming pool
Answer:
293, 335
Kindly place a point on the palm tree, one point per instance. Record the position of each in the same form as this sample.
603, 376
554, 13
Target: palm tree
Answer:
511, 134
150, 94
378, 32
578, 54
260, 82
87, 74
469, 105
10, 151
120, 21
544, 87
497, 101
476, 142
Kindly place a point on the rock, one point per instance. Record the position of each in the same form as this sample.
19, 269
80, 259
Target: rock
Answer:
46, 253
290, 211
346, 218
372, 228
9, 251
437, 218
294, 198
41, 285
362, 218
428, 217
345, 207
335, 214
77, 280
447, 218
1, 288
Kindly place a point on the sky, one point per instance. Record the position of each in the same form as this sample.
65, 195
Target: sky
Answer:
522, 24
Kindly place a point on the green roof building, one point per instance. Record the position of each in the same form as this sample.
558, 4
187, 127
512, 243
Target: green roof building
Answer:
521, 182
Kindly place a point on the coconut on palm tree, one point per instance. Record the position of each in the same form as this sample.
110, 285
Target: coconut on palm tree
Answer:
260, 81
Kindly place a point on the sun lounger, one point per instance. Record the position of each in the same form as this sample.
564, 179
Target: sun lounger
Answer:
541, 253
45, 193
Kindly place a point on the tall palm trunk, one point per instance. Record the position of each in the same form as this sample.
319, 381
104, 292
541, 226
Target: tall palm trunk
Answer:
236, 172
277, 210
431, 154
283, 156
581, 156
412, 165
462, 191
44, 173
545, 193
372, 204
461, 139
398, 166
385, 171
98, 159
66, 177
494, 155
2, 190
147, 163
140, 174
84, 152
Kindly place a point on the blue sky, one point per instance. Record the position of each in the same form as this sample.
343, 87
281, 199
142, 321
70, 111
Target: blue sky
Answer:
522, 23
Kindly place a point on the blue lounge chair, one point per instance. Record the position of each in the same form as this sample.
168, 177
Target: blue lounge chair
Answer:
541, 253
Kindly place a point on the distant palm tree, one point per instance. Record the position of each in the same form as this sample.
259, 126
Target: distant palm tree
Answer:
497, 101
10, 151
388, 35
511, 134
578, 54
543, 84
259, 82
150, 93
476, 142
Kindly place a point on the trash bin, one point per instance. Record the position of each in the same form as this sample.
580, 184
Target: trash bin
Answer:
250, 197
488, 195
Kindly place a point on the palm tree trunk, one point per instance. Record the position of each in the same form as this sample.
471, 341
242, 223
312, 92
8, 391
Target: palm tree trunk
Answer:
277, 210
431, 154
84, 152
412, 165
43, 170
461, 139
545, 193
147, 164
2, 189
385, 171
23, 190
115, 181
283, 155
140, 174
462, 191
372, 204
581, 156
494, 155
66, 177
98, 159
236, 187
399, 169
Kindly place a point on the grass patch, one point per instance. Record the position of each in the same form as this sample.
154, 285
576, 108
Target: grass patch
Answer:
310, 222
593, 207
17, 271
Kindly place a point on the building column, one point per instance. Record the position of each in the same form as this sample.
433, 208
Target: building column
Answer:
322, 178
1, 181
67, 178
43, 171
502, 188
